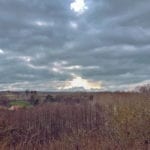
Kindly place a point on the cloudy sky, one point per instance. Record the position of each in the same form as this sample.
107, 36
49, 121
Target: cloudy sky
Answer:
57, 45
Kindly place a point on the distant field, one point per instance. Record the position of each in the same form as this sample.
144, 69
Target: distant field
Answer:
19, 103
76, 121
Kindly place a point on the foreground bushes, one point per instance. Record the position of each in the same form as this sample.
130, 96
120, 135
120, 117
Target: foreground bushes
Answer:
119, 124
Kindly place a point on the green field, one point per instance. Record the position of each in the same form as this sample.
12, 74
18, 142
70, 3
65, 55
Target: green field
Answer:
20, 103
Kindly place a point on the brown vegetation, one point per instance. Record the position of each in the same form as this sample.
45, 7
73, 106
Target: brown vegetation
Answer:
105, 121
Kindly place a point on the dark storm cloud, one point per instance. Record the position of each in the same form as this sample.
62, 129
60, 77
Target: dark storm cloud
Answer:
42, 43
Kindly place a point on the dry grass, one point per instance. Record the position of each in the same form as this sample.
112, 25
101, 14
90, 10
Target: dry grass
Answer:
111, 121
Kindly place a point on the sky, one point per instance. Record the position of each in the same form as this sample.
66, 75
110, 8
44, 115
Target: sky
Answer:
73, 45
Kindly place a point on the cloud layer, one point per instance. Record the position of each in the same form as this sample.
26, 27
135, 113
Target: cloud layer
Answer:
48, 45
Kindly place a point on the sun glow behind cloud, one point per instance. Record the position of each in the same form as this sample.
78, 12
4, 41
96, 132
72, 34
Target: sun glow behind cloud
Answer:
79, 82
78, 6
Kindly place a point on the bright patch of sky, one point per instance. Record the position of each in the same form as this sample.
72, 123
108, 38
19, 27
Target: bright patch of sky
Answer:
1, 51
79, 82
78, 6
41, 23
25, 58
73, 25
